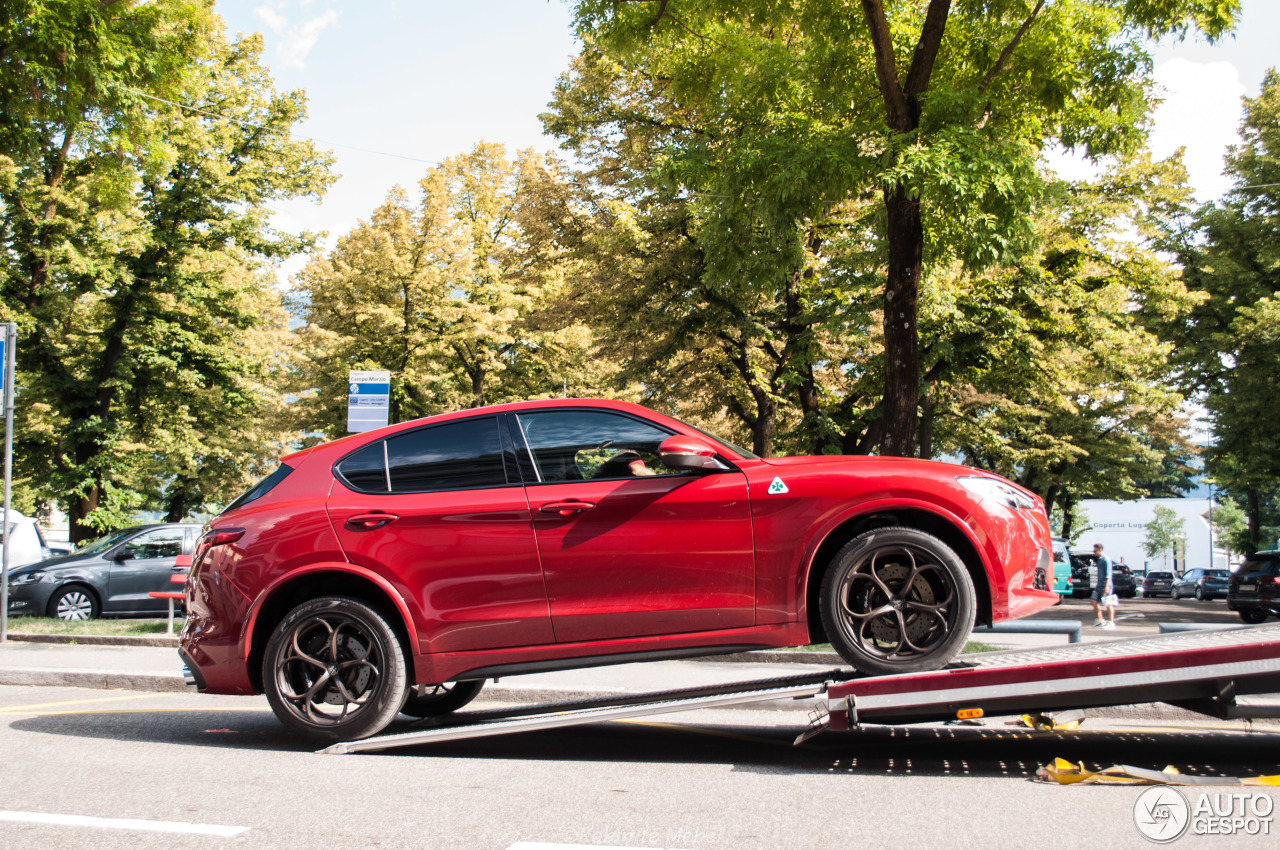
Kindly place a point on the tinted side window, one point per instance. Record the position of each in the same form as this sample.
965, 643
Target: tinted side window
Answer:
366, 469
571, 445
458, 456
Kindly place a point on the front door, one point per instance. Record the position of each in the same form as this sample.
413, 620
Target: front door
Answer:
628, 547
145, 563
436, 511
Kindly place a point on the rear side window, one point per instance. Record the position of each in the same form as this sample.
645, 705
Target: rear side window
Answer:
463, 455
262, 488
458, 456
366, 469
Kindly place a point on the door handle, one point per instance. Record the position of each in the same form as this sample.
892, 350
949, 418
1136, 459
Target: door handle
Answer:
370, 521
569, 507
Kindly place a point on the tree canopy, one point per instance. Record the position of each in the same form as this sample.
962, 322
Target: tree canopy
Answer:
140, 151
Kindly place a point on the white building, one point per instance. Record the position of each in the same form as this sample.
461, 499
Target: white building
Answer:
1121, 527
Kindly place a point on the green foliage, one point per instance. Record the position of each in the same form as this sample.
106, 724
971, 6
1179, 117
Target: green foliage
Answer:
766, 140
133, 233
457, 294
1229, 347
1163, 533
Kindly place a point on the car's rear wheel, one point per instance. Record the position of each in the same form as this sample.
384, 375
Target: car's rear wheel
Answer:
334, 670
73, 603
436, 700
1200, 594
897, 600
1253, 616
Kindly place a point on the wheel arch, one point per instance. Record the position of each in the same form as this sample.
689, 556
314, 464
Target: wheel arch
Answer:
315, 582
921, 519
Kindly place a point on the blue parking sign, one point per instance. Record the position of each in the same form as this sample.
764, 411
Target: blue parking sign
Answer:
368, 400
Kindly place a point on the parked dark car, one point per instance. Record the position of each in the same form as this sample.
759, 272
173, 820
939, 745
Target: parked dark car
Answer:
1201, 583
1254, 590
111, 577
1085, 567
1157, 583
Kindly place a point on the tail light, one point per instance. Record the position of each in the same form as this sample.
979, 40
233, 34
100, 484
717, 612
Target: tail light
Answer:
216, 537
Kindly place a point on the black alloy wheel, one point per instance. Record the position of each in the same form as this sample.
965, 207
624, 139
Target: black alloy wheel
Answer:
334, 670
897, 600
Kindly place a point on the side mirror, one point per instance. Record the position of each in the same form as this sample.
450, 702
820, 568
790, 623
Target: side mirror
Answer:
682, 452
122, 555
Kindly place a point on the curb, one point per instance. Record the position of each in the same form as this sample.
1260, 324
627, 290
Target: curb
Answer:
96, 640
108, 680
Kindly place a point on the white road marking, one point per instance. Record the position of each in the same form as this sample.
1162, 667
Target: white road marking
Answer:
123, 823
541, 845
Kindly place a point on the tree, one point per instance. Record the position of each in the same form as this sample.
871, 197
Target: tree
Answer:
1229, 346
1051, 371
1163, 534
133, 231
457, 294
806, 105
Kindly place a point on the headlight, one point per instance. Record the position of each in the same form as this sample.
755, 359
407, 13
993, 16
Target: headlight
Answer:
25, 578
1005, 494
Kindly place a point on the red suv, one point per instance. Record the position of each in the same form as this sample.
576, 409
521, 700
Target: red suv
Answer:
395, 571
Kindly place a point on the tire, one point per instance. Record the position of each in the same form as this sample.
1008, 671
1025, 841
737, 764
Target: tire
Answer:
441, 699
1253, 616
1200, 594
1173, 594
334, 670
73, 603
897, 600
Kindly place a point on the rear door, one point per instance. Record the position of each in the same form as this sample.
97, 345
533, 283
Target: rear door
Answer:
629, 548
440, 511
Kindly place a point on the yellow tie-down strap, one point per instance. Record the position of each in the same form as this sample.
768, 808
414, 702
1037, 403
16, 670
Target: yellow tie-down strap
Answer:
1069, 773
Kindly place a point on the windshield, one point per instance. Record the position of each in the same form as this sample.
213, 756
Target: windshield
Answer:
102, 544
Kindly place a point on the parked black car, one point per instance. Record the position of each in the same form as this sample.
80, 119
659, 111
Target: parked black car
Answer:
1085, 567
112, 576
1254, 590
1157, 583
1201, 583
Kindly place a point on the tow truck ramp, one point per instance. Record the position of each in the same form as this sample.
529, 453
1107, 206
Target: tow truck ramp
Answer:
1202, 671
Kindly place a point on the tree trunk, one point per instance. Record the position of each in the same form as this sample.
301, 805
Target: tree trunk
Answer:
901, 308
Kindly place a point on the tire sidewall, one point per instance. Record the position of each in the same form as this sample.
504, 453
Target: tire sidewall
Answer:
390, 689
853, 553
95, 606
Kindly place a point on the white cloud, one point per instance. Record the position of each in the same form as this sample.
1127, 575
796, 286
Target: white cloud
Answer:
295, 40
1201, 112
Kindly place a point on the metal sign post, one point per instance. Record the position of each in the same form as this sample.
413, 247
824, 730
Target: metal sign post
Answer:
7, 346
368, 400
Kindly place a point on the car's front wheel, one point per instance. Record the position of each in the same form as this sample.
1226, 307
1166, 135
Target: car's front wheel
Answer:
334, 670
897, 600
73, 603
436, 700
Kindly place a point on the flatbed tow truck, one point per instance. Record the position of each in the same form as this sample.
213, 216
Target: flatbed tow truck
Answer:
1203, 671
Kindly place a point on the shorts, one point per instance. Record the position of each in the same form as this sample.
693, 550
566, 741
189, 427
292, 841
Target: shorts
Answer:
1099, 592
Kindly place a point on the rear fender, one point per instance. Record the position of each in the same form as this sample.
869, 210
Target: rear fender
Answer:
298, 585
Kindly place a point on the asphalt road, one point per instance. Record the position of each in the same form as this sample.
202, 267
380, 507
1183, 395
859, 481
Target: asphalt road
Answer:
698, 780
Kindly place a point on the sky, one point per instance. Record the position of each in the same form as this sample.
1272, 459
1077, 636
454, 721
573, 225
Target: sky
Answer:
395, 86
